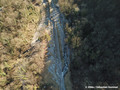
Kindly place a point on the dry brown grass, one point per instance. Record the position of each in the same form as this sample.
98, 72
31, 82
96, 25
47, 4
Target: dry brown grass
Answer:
18, 22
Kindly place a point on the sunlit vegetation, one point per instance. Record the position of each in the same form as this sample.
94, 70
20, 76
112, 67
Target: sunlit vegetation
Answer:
18, 20
20, 69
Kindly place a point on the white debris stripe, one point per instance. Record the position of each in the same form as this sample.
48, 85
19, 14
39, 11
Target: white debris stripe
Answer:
58, 51
60, 69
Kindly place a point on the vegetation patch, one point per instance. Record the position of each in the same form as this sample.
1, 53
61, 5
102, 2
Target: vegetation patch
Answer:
93, 36
18, 22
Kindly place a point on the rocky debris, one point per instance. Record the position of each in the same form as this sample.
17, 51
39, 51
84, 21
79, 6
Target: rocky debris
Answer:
58, 52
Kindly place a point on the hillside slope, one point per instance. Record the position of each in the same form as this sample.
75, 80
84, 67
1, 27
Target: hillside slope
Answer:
21, 65
93, 33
